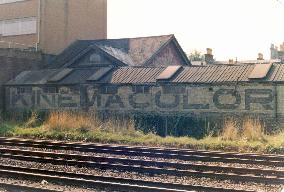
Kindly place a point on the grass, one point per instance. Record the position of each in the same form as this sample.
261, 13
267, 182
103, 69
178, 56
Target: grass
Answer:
245, 137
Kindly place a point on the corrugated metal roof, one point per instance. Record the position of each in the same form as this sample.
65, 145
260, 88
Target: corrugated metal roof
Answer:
143, 75
133, 75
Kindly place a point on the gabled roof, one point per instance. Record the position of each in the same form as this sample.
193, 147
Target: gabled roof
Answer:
149, 75
130, 51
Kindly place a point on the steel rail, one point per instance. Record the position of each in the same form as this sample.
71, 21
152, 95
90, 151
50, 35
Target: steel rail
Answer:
204, 157
142, 151
20, 187
146, 170
152, 185
149, 163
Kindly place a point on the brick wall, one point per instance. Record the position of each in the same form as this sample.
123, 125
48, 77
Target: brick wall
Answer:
13, 61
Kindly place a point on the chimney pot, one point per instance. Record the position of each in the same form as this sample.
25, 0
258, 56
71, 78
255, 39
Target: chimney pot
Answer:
209, 51
260, 56
231, 61
209, 58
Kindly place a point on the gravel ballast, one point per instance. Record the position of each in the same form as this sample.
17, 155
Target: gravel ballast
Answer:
257, 166
163, 178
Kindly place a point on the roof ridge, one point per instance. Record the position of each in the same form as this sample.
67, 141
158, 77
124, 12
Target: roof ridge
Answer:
125, 38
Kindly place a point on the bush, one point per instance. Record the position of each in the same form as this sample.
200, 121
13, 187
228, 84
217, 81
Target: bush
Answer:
252, 129
230, 130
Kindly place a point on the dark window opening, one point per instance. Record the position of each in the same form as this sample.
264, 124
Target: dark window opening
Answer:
22, 90
50, 90
109, 90
141, 89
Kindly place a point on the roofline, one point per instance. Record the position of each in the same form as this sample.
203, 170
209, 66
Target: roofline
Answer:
92, 47
125, 38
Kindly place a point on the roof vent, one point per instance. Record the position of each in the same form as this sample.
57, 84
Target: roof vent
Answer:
260, 71
169, 72
99, 74
60, 75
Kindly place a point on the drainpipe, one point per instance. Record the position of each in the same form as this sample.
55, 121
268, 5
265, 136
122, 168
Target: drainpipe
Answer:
38, 24
275, 102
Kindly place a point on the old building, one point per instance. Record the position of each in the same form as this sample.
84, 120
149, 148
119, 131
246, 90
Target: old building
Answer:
149, 76
51, 25
277, 54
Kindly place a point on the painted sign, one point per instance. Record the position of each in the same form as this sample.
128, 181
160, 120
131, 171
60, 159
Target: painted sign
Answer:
160, 99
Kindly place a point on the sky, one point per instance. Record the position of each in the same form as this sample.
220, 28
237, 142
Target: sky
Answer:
232, 28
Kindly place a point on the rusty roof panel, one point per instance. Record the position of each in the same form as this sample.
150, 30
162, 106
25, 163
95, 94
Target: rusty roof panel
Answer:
135, 75
169, 72
260, 71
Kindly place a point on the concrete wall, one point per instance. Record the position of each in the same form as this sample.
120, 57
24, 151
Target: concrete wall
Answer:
61, 22
64, 21
187, 100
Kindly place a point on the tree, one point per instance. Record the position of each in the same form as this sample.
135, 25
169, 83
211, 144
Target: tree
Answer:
196, 56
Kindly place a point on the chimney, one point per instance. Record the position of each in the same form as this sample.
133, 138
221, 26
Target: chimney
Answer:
209, 56
273, 52
260, 56
231, 61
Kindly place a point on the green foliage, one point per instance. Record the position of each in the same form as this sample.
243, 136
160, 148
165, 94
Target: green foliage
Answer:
196, 56
123, 131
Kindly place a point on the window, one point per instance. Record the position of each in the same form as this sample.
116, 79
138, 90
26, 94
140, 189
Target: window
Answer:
109, 90
23, 90
95, 58
140, 89
9, 1
50, 90
21, 26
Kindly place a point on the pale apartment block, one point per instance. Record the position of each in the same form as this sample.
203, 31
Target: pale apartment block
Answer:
51, 25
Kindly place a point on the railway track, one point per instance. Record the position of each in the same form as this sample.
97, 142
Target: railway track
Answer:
167, 153
269, 176
147, 167
20, 187
102, 182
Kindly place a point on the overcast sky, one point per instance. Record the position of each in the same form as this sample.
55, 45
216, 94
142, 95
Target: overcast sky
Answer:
232, 28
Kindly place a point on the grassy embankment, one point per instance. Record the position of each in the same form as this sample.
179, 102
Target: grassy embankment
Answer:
249, 137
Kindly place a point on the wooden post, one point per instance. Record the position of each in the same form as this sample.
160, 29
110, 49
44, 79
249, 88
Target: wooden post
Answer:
166, 126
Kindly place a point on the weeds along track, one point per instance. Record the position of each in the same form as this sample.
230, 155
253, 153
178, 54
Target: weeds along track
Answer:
149, 167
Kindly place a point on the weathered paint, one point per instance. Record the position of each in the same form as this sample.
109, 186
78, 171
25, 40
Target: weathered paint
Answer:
168, 56
168, 99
